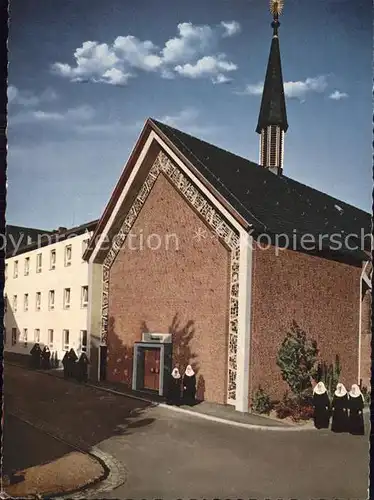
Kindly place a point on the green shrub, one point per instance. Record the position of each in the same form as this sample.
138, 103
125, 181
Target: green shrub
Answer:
261, 402
297, 357
367, 395
287, 407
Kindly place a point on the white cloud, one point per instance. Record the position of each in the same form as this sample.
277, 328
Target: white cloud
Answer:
337, 95
78, 114
292, 90
28, 98
188, 120
190, 54
231, 28
207, 66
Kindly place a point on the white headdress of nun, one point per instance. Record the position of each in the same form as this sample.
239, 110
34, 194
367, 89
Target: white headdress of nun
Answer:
340, 390
355, 392
320, 388
189, 371
175, 373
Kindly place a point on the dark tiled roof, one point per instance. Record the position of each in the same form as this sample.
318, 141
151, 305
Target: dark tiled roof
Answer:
273, 204
50, 237
273, 104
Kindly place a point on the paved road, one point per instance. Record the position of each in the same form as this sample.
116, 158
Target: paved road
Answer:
184, 457
24, 446
170, 455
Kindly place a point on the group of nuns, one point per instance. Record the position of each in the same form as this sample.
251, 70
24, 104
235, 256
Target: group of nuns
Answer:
182, 389
346, 409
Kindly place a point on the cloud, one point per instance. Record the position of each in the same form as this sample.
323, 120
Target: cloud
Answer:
231, 28
190, 54
337, 95
293, 90
207, 66
28, 98
188, 120
78, 114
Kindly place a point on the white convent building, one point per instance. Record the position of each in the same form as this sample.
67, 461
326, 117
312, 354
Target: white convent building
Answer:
46, 291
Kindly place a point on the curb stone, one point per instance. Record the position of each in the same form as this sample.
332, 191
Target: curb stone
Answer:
117, 476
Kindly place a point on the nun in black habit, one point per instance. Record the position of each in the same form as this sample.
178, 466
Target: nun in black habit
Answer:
174, 391
65, 364
356, 411
340, 410
189, 386
36, 353
46, 358
82, 368
321, 405
72, 358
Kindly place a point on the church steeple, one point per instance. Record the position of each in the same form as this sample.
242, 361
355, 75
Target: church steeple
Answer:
272, 120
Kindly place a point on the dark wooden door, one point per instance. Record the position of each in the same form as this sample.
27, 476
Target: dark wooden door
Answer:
152, 369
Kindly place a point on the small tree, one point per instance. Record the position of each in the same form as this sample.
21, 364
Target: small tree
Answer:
297, 358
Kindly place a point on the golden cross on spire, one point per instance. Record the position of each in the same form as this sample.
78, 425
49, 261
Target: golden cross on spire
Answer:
276, 7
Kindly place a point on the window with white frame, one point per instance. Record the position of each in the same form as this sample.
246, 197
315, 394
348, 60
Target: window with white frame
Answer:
38, 300
53, 259
15, 303
51, 299
25, 337
39, 263
37, 335
84, 296
65, 340
14, 336
27, 266
26, 302
85, 244
68, 255
83, 340
15, 270
66, 298
50, 339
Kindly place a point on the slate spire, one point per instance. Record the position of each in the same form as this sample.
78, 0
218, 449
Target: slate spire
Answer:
272, 120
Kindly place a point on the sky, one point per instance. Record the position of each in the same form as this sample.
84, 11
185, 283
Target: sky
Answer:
84, 75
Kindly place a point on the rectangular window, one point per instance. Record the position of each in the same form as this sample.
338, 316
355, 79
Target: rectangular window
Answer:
39, 263
15, 303
51, 299
83, 340
14, 336
50, 339
67, 298
27, 266
38, 300
26, 302
84, 296
68, 255
53, 259
15, 270
37, 335
25, 337
65, 340
85, 245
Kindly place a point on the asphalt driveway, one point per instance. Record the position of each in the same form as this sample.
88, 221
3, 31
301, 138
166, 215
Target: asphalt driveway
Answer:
173, 455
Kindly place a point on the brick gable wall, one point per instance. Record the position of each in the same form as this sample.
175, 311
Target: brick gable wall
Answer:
183, 289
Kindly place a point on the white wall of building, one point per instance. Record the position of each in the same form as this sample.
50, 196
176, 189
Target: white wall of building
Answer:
58, 319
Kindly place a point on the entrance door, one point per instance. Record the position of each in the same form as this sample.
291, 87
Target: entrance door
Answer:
152, 369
